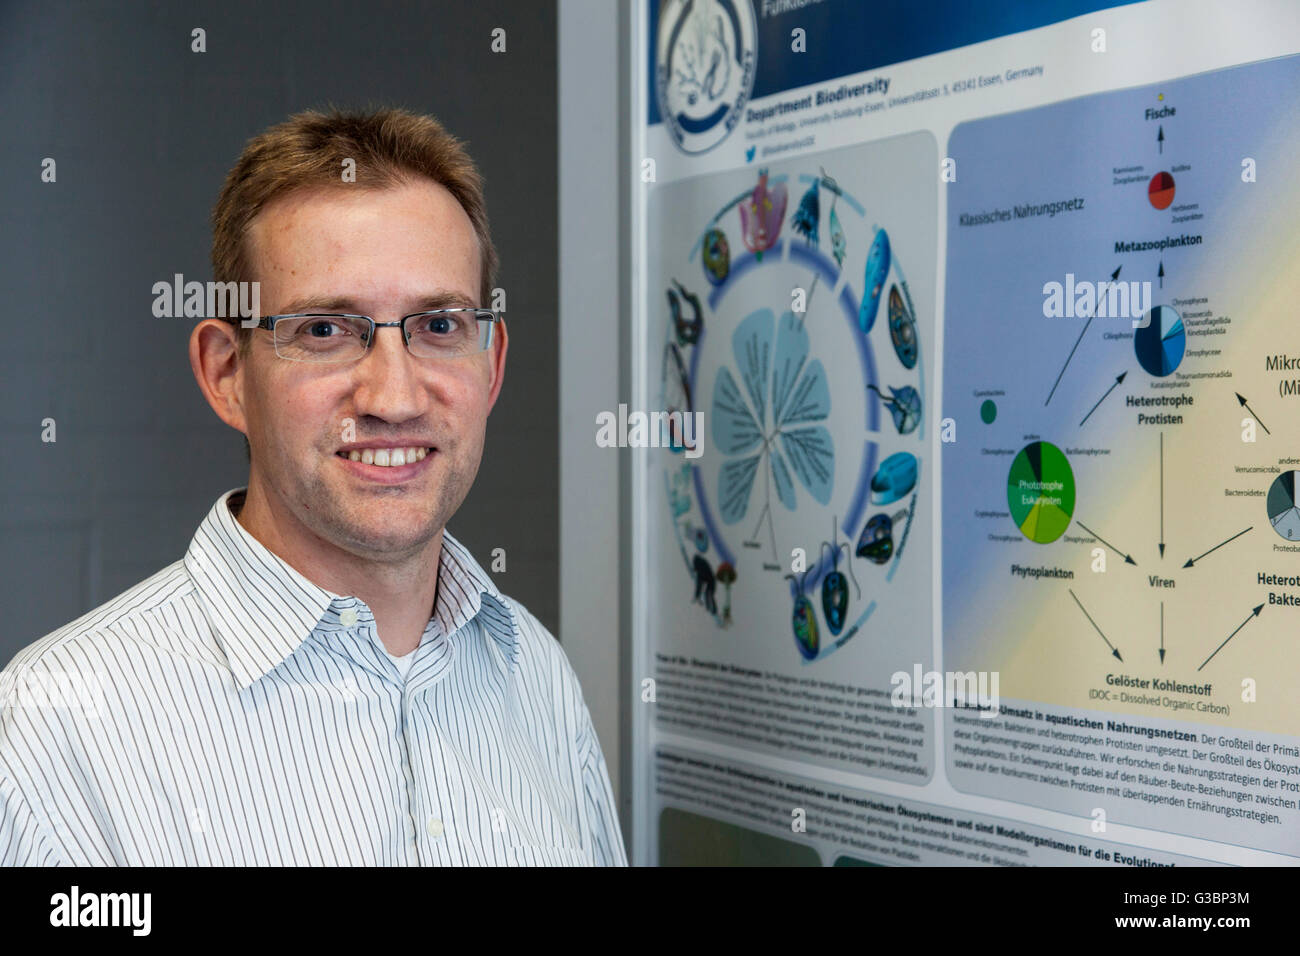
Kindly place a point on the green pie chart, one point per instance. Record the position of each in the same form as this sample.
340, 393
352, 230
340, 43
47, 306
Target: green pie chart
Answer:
1040, 492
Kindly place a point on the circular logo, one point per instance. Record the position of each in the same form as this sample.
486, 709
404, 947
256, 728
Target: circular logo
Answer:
706, 51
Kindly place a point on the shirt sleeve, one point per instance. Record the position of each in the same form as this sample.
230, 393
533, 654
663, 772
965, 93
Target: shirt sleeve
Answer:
598, 797
23, 840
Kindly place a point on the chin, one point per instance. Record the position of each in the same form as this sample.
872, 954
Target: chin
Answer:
381, 538
381, 527
404, 524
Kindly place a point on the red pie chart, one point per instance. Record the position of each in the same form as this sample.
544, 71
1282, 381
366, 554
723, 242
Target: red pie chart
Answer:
1161, 190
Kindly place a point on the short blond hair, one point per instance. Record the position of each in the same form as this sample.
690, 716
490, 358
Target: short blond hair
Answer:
389, 146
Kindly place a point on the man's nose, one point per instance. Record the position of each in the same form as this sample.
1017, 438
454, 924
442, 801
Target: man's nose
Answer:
388, 380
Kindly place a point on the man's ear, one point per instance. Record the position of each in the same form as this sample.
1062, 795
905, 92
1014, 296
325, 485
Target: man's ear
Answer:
498, 361
219, 369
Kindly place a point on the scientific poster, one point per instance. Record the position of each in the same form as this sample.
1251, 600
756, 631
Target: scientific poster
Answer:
969, 532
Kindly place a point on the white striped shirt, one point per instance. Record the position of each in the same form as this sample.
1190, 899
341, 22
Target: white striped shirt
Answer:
230, 712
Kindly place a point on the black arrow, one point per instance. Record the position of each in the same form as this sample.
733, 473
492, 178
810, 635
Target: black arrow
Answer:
1252, 412
1254, 613
1117, 381
1113, 649
1128, 559
1160, 138
1113, 276
1161, 273
1162, 632
1192, 561
1162, 495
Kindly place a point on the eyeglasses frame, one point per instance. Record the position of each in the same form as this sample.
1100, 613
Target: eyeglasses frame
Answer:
268, 322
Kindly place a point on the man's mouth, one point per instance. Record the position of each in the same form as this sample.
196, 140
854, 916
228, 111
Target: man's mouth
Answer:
386, 457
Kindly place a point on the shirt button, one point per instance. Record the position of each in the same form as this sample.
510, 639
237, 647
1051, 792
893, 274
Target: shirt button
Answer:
348, 616
435, 827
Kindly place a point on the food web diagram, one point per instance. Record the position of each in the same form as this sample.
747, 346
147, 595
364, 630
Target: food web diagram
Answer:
789, 323
1121, 434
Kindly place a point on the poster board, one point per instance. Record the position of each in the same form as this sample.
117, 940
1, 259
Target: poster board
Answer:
972, 537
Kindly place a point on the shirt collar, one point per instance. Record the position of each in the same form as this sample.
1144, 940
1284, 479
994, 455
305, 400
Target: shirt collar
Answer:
261, 609
462, 587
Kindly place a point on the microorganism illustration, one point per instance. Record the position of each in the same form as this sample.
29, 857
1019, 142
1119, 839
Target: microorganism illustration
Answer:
904, 405
808, 216
679, 491
838, 245
873, 280
716, 256
676, 395
705, 584
761, 216
803, 620
902, 329
876, 543
895, 477
726, 576
686, 328
835, 587
697, 536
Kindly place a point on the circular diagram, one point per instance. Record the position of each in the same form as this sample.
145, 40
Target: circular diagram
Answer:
1160, 191
1283, 511
1161, 341
784, 365
1040, 492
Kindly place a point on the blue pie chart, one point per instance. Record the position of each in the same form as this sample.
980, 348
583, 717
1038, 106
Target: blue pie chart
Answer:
1161, 343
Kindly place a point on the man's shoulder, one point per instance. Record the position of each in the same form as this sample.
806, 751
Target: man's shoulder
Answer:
118, 616
538, 647
535, 638
547, 677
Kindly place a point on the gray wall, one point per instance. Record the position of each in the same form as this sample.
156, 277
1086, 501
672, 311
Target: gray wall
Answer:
143, 131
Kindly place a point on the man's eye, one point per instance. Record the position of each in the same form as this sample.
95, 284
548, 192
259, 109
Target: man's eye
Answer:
323, 328
441, 325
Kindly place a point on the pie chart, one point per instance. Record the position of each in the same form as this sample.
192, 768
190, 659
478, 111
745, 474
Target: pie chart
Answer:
1161, 343
1161, 190
1283, 512
1040, 492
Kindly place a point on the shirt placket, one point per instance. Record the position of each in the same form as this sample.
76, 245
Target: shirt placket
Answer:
434, 839
351, 625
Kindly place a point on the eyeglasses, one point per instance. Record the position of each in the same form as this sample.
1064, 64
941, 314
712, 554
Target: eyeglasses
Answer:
341, 337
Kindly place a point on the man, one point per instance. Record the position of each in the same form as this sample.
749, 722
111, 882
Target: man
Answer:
327, 677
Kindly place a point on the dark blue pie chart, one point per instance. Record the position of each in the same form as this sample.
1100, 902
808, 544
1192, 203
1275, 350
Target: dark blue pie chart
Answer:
1161, 343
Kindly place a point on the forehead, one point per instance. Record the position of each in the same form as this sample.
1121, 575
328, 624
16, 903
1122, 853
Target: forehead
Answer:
378, 247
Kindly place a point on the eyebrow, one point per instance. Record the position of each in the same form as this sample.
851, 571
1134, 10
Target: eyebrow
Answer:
441, 299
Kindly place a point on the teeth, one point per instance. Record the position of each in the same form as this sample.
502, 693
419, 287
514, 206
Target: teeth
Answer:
388, 457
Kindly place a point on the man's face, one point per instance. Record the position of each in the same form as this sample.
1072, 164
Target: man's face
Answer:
383, 253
